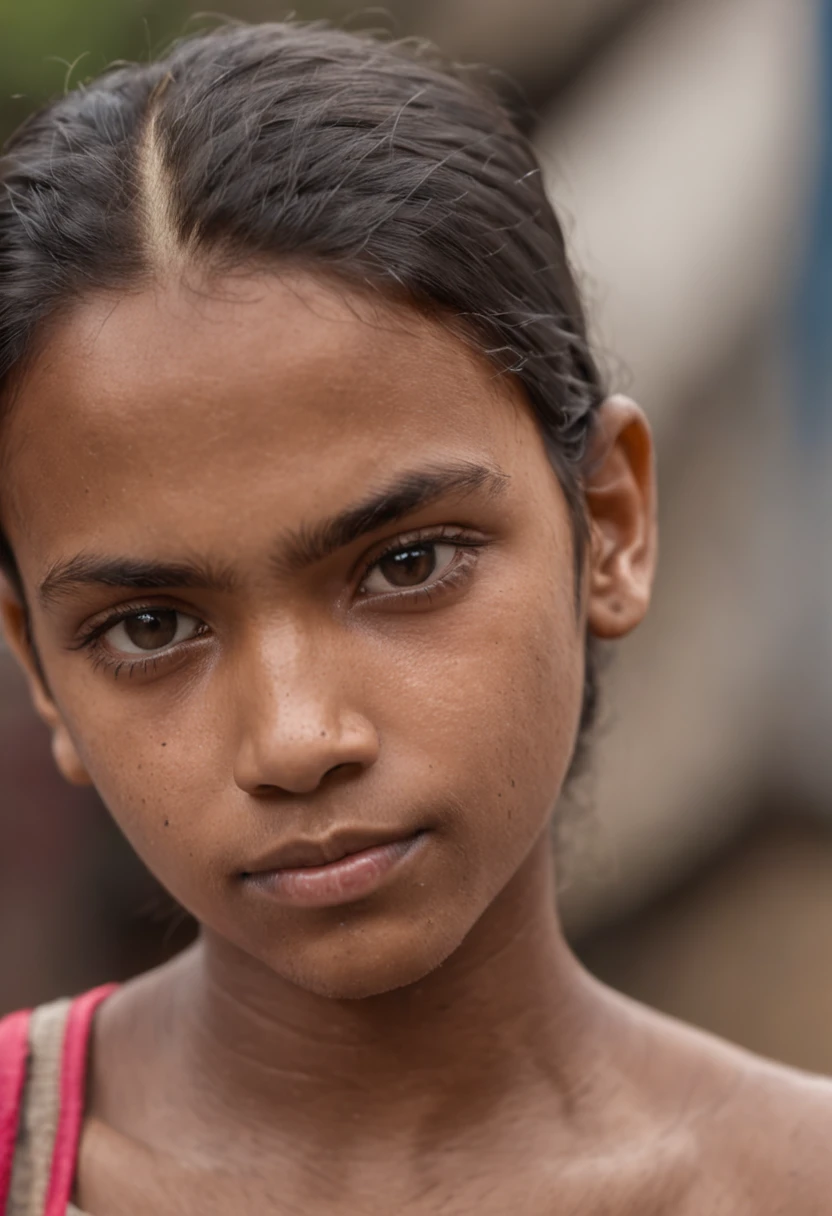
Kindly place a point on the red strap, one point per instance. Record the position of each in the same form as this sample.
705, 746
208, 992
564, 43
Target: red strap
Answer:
14, 1050
73, 1078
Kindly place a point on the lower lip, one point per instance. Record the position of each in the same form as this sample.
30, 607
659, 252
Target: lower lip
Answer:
341, 882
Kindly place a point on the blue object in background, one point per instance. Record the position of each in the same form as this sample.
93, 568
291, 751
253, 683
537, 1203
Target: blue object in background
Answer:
814, 312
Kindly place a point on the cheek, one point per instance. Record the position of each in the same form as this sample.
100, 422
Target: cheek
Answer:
156, 767
490, 710
521, 738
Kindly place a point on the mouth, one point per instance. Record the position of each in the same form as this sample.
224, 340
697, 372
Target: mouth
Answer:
337, 870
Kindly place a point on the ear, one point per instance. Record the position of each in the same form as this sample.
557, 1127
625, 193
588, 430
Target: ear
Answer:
620, 490
15, 621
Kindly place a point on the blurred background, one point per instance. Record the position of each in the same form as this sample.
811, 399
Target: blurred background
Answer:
687, 146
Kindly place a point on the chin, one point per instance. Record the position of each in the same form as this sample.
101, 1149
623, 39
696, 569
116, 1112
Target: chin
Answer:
357, 967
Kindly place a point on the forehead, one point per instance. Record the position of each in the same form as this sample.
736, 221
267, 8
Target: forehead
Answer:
192, 404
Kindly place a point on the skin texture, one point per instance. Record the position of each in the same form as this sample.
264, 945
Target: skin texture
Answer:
433, 1046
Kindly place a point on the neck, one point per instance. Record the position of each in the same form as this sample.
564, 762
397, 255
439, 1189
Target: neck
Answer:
509, 1011
509, 1024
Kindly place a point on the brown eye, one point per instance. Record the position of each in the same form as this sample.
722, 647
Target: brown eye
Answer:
410, 567
151, 630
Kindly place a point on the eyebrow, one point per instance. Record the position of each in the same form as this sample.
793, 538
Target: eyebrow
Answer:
86, 570
410, 492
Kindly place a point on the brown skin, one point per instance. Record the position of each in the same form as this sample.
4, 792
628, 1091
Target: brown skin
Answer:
432, 1047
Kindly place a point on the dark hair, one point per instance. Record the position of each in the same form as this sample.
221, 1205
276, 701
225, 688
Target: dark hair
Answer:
302, 142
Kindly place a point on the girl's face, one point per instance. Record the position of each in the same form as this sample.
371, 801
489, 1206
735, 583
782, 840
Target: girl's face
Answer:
300, 578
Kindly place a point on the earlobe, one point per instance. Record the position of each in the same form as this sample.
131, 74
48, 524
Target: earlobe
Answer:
66, 757
620, 490
16, 631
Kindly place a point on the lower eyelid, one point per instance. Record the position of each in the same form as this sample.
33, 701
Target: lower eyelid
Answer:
116, 662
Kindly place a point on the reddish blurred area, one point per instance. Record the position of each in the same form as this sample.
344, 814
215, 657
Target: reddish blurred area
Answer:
75, 903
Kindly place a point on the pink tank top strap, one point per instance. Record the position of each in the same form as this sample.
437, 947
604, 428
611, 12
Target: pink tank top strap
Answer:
14, 1050
14, 1057
72, 1085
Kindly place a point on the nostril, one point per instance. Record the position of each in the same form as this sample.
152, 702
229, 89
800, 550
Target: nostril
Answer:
337, 767
346, 771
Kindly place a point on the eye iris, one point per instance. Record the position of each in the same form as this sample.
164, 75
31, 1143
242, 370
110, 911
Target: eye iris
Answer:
151, 630
409, 567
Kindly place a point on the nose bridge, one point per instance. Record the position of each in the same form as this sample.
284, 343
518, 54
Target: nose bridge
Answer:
297, 715
284, 664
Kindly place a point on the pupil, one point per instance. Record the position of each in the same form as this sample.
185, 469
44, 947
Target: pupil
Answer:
410, 567
151, 630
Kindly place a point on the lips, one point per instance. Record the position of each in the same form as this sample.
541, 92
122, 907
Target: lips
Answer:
304, 854
338, 869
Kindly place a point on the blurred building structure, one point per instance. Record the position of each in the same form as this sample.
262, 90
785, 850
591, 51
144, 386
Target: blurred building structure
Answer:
681, 141
685, 158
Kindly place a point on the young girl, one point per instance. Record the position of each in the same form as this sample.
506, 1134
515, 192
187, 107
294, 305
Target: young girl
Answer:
312, 502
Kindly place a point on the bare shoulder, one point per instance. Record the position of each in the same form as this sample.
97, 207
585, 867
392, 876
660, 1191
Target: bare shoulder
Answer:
778, 1132
762, 1131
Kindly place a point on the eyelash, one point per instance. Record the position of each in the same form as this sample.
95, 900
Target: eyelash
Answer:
103, 659
465, 543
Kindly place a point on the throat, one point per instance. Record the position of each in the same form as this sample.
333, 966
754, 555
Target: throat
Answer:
504, 1025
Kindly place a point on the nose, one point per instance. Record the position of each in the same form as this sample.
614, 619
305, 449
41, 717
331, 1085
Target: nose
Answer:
296, 721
